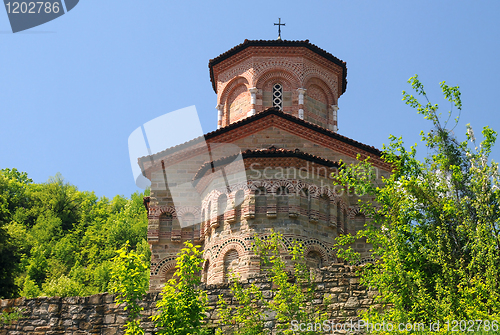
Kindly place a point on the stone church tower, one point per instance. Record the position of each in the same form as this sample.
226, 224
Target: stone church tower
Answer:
277, 103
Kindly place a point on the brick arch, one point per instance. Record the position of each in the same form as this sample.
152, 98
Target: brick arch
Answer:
282, 183
181, 211
261, 183
285, 245
230, 87
166, 264
352, 211
238, 93
328, 79
241, 187
286, 78
278, 64
208, 255
319, 249
343, 204
211, 197
159, 211
233, 245
314, 191
241, 70
313, 81
325, 190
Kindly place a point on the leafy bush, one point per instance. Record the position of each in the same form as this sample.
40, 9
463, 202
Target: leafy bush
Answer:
434, 224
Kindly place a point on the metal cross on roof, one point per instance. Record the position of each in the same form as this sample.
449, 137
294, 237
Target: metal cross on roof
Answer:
279, 24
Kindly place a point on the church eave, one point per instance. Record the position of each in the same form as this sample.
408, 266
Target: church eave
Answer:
271, 152
250, 119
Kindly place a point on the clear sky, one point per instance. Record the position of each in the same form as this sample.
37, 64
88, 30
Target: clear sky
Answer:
73, 90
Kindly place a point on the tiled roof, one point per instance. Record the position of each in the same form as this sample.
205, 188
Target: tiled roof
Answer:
280, 43
270, 111
270, 152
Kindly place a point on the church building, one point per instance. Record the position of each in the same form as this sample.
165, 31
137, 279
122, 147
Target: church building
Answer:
277, 104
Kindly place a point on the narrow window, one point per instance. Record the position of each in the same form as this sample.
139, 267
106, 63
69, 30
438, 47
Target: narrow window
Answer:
305, 202
239, 198
221, 209
324, 208
313, 260
282, 195
278, 96
358, 222
231, 260
205, 272
260, 201
165, 225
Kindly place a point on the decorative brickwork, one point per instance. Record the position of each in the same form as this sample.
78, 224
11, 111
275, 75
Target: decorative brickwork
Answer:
288, 154
293, 65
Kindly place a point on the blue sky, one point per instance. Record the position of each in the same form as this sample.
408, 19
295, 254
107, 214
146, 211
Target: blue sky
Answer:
72, 90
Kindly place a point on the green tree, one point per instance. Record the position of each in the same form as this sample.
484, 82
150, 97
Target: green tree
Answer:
293, 291
183, 304
434, 224
291, 294
13, 189
61, 241
130, 280
247, 317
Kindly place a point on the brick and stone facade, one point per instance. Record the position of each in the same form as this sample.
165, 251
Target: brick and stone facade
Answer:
311, 81
287, 153
98, 314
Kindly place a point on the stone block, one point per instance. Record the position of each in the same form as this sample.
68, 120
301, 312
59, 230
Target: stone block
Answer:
109, 319
352, 303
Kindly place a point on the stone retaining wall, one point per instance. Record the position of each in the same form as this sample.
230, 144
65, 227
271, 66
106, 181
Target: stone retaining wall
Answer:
98, 314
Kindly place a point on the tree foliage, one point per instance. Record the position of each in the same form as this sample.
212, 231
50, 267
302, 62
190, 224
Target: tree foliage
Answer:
13, 194
291, 297
58, 241
183, 304
130, 280
434, 224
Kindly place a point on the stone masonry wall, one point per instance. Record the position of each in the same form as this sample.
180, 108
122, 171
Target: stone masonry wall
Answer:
98, 314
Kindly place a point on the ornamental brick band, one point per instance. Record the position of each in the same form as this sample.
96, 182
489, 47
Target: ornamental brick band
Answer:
98, 314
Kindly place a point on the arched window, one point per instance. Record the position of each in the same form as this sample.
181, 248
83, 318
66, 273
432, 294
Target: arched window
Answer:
238, 202
221, 209
282, 199
359, 222
206, 267
278, 96
165, 225
314, 260
260, 201
187, 220
231, 260
305, 202
170, 274
324, 208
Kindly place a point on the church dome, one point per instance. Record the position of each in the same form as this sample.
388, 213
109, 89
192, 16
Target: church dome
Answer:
297, 77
